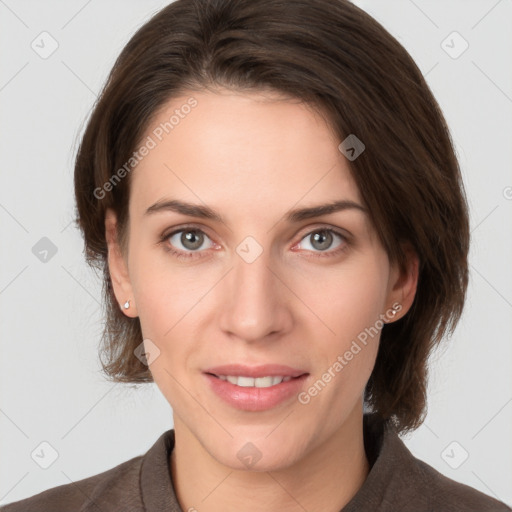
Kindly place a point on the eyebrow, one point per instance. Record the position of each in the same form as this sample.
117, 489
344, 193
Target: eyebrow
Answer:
297, 215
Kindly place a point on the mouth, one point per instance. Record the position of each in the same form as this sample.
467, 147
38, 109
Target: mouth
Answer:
258, 382
258, 393
256, 388
261, 376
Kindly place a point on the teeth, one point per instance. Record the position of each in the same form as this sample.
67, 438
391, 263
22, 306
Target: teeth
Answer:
249, 382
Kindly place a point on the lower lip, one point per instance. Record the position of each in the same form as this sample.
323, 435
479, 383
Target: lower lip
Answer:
253, 398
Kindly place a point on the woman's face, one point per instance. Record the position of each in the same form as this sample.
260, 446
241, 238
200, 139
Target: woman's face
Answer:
258, 287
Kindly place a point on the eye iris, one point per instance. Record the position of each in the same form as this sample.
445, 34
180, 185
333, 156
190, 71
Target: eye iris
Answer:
320, 236
189, 236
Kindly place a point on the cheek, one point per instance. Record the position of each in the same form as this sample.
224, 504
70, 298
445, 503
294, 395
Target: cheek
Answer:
165, 292
347, 298
168, 303
348, 301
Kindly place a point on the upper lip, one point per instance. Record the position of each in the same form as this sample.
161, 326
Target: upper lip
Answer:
265, 370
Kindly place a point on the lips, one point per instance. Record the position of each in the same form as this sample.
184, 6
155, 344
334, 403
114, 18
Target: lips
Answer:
254, 398
245, 387
265, 370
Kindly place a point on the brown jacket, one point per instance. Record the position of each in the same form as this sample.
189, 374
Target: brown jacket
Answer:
397, 481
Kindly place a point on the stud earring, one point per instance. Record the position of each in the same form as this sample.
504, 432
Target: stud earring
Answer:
126, 305
391, 314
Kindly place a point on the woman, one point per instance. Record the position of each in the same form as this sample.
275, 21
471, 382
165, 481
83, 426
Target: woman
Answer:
272, 193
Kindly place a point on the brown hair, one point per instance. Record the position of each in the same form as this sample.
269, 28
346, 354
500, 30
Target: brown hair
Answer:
331, 54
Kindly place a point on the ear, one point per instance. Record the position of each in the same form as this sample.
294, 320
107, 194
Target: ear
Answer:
403, 285
118, 267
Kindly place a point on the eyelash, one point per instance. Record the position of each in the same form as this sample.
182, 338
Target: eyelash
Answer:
195, 254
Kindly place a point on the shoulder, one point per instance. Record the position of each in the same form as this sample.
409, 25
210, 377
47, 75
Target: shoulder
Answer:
447, 494
425, 488
400, 481
118, 485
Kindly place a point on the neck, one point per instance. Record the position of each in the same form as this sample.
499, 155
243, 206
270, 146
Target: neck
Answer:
324, 480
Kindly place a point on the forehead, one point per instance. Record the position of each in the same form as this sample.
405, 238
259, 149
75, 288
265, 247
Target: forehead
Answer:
246, 151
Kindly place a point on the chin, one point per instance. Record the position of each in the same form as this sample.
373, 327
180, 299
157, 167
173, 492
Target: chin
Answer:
258, 449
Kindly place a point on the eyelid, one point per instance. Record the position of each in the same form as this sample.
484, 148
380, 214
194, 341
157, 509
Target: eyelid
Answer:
328, 227
306, 230
184, 227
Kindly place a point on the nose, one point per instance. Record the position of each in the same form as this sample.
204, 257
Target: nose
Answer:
256, 302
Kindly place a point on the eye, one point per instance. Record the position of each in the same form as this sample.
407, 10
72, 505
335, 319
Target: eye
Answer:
185, 242
322, 240
189, 242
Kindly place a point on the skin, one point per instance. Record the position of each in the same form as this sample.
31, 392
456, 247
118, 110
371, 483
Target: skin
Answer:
295, 304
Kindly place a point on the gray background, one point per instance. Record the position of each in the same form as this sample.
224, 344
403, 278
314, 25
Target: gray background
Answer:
51, 387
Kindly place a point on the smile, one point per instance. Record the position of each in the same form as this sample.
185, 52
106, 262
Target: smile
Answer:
259, 382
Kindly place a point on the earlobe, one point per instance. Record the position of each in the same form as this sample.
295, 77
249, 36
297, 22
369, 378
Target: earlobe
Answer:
118, 267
